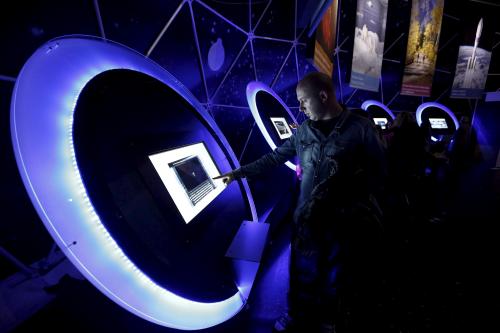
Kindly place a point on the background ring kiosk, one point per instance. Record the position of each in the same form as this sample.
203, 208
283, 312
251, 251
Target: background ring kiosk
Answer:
79, 168
276, 190
273, 122
380, 113
442, 121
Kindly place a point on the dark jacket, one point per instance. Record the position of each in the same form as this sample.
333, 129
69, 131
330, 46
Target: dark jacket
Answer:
353, 145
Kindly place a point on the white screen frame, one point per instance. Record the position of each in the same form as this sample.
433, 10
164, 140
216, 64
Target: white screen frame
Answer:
287, 127
438, 123
384, 120
174, 186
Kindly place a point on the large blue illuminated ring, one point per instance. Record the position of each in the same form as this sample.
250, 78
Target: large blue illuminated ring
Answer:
252, 89
424, 106
42, 109
370, 102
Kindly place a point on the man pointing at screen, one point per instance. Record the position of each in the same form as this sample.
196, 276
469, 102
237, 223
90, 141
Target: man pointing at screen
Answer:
342, 165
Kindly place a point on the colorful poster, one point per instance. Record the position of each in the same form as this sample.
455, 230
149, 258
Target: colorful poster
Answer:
473, 61
324, 44
421, 52
369, 36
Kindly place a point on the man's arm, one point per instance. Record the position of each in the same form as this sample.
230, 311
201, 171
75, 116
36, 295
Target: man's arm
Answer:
279, 156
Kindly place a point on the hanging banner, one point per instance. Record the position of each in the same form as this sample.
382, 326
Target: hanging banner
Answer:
473, 60
369, 36
421, 52
324, 44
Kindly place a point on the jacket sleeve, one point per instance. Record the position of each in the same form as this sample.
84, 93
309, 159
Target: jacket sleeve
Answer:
271, 160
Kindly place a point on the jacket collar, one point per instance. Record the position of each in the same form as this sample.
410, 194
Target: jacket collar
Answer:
343, 116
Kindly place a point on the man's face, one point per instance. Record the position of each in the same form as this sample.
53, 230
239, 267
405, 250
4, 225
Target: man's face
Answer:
310, 103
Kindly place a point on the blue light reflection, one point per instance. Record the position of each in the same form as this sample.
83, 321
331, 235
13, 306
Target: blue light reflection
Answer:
43, 104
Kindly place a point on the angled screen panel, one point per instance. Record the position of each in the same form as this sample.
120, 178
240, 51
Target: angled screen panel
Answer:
438, 123
280, 124
382, 122
187, 174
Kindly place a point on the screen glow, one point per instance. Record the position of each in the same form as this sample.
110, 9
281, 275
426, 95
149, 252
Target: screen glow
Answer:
382, 122
187, 174
438, 123
284, 131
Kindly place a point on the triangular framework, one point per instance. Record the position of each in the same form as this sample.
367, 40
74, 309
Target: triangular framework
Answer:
285, 80
257, 13
182, 42
180, 33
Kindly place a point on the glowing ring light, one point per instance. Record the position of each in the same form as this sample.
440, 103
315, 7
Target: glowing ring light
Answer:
42, 109
424, 106
368, 103
252, 89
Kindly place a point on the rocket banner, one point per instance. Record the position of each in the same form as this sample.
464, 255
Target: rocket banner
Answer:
369, 35
474, 58
421, 52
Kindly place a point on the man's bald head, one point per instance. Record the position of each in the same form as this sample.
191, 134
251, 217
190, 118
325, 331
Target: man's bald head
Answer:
316, 97
317, 81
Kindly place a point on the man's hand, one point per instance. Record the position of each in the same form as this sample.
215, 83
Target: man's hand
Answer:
227, 178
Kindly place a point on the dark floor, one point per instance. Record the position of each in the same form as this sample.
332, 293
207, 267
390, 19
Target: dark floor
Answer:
80, 307
434, 277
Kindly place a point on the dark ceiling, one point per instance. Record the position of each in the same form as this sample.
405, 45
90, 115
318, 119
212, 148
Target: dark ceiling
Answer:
26, 25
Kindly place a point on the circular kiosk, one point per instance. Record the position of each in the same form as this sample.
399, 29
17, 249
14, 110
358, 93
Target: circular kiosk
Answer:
439, 118
274, 191
271, 114
118, 158
379, 113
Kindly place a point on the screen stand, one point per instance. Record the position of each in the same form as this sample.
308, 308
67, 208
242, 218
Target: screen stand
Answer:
246, 251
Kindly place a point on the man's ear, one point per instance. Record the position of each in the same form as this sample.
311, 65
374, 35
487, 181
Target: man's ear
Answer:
323, 96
